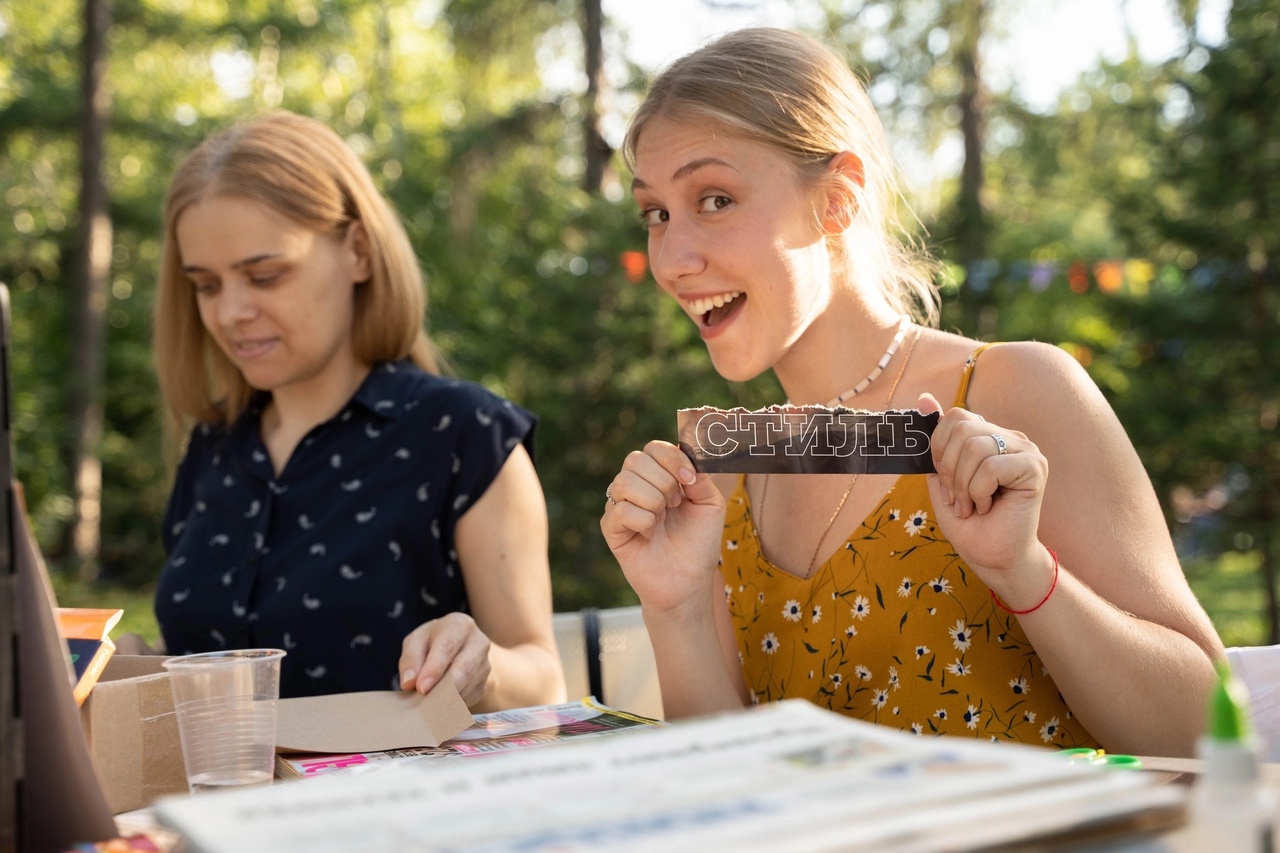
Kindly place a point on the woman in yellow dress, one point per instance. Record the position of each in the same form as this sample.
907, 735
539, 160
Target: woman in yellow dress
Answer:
1028, 591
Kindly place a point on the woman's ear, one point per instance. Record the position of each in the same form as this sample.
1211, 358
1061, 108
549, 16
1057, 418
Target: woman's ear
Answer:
357, 244
844, 180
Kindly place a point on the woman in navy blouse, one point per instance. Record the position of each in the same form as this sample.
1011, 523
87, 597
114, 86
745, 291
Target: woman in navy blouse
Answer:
337, 498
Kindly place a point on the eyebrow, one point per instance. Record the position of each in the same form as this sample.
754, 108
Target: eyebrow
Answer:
247, 262
686, 170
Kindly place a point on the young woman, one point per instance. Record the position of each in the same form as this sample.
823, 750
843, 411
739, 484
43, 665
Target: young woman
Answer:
1028, 591
338, 499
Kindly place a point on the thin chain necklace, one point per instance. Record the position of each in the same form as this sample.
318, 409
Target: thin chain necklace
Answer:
906, 359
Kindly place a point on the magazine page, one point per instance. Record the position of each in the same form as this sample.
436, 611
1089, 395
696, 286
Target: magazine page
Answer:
500, 731
787, 776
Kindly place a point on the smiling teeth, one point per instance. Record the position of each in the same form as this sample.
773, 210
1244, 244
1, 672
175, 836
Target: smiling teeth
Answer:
701, 306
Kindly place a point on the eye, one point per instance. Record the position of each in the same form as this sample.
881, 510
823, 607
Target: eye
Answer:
261, 279
713, 203
654, 216
203, 287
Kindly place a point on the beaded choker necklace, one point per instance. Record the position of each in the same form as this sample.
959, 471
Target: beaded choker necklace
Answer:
903, 325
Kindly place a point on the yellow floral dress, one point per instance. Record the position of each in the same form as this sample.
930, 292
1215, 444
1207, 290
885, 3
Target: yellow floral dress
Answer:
894, 629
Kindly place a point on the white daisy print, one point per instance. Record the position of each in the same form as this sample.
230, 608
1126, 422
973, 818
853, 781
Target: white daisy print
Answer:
728, 592
940, 585
904, 588
851, 631
817, 613
731, 545
921, 651
1029, 716
879, 698
941, 713
959, 635
862, 672
837, 679
916, 522
893, 678
895, 514
1019, 686
1049, 729
861, 607
971, 717
917, 728
770, 643
791, 611
959, 668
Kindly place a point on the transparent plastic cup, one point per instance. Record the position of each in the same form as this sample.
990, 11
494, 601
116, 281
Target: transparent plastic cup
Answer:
226, 708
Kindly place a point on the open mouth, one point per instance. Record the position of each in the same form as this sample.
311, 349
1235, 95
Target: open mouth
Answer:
711, 311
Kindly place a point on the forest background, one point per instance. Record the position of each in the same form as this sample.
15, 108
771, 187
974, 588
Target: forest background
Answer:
1134, 223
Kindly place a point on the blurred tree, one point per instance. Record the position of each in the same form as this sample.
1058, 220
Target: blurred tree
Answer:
1220, 345
89, 297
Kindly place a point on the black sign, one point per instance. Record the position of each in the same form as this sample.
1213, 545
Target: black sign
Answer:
807, 440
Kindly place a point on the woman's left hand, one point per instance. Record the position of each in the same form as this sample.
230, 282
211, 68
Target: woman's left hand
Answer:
452, 647
987, 492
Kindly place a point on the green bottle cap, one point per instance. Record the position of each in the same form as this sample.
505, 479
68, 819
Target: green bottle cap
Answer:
1228, 707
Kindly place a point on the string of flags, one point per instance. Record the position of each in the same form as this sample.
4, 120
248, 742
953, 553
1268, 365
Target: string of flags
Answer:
1135, 277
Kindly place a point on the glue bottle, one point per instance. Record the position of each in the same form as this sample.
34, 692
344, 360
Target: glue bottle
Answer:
1231, 809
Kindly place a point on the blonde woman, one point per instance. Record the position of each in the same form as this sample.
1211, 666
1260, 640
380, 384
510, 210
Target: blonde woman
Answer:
1027, 592
337, 498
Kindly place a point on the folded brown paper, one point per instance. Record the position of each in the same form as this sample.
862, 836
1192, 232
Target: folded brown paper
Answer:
370, 721
807, 440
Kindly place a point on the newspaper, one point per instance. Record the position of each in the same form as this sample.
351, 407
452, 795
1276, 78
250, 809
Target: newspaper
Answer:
501, 731
784, 777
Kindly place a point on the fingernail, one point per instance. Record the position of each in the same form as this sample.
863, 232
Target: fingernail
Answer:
688, 477
407, 678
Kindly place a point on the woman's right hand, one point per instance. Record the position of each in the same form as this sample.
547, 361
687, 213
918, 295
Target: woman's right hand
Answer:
664, 523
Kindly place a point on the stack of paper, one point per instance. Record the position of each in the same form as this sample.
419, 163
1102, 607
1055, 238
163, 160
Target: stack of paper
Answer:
783, 777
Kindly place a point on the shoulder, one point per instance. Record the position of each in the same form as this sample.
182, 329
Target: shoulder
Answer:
416, 387
1035, 383
1019, 368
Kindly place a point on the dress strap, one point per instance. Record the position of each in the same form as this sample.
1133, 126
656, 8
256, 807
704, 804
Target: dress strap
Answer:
963, 393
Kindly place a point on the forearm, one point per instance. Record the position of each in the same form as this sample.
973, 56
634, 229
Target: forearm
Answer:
1137, 686
692, 671
522, 675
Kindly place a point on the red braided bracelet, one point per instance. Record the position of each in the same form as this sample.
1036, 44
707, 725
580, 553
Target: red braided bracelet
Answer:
1052, 587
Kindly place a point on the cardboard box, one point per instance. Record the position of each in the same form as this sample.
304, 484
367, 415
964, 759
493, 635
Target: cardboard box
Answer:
132, 732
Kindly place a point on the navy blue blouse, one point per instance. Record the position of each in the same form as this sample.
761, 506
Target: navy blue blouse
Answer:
351, 547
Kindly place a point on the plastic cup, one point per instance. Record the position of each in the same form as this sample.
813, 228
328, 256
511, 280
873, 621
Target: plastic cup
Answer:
226, 708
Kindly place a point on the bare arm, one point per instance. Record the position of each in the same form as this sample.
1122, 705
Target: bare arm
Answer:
1122, 634
665, 530
504, 654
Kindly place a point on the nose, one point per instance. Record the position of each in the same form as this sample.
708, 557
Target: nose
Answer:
236, 302
675, 251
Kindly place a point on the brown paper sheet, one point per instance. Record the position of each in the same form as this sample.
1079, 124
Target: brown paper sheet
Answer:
371, 721
807, 440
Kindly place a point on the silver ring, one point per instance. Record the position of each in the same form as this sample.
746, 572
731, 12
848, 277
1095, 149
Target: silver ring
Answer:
608, 494
1001, 447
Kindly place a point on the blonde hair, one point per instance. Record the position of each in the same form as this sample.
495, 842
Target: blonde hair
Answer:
303, 170
790, 92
